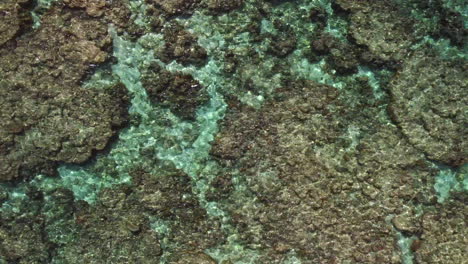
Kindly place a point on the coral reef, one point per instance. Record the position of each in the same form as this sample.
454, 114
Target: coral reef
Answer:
233, 132
443, 235
176, 91
167, 196
309, 179
431, 108
14, 18
223, 6
182, 46
378, 26
175, 7
47, 116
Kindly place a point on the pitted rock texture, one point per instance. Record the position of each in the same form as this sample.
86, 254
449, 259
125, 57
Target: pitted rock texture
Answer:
438, 19
430, 106
176, 91
192, 257
342, 57
312, 189
175, 7
47, 116
115, 231
314, 172
67, 127
381, 27
124, 226
124, 219
21, 234
223, 6
93, 7
14, 17
444, 234
284, 42
182, 46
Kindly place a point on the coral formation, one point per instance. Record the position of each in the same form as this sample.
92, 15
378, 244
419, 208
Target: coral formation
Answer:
14, 18
243, 131
306, 175
132, 235
431, 108
182, 46
176, 91
175, 7
223, 6
378, 26
443, 237
47, 117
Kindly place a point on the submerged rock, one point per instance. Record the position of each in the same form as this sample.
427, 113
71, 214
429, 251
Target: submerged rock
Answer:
310, 189
444, 232
47, 116
14, 17
182, 47
176, 91
262, 131
223, 6
175, 7
380, 27
429, 105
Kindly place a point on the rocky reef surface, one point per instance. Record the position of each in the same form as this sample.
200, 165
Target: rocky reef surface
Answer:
233, 131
